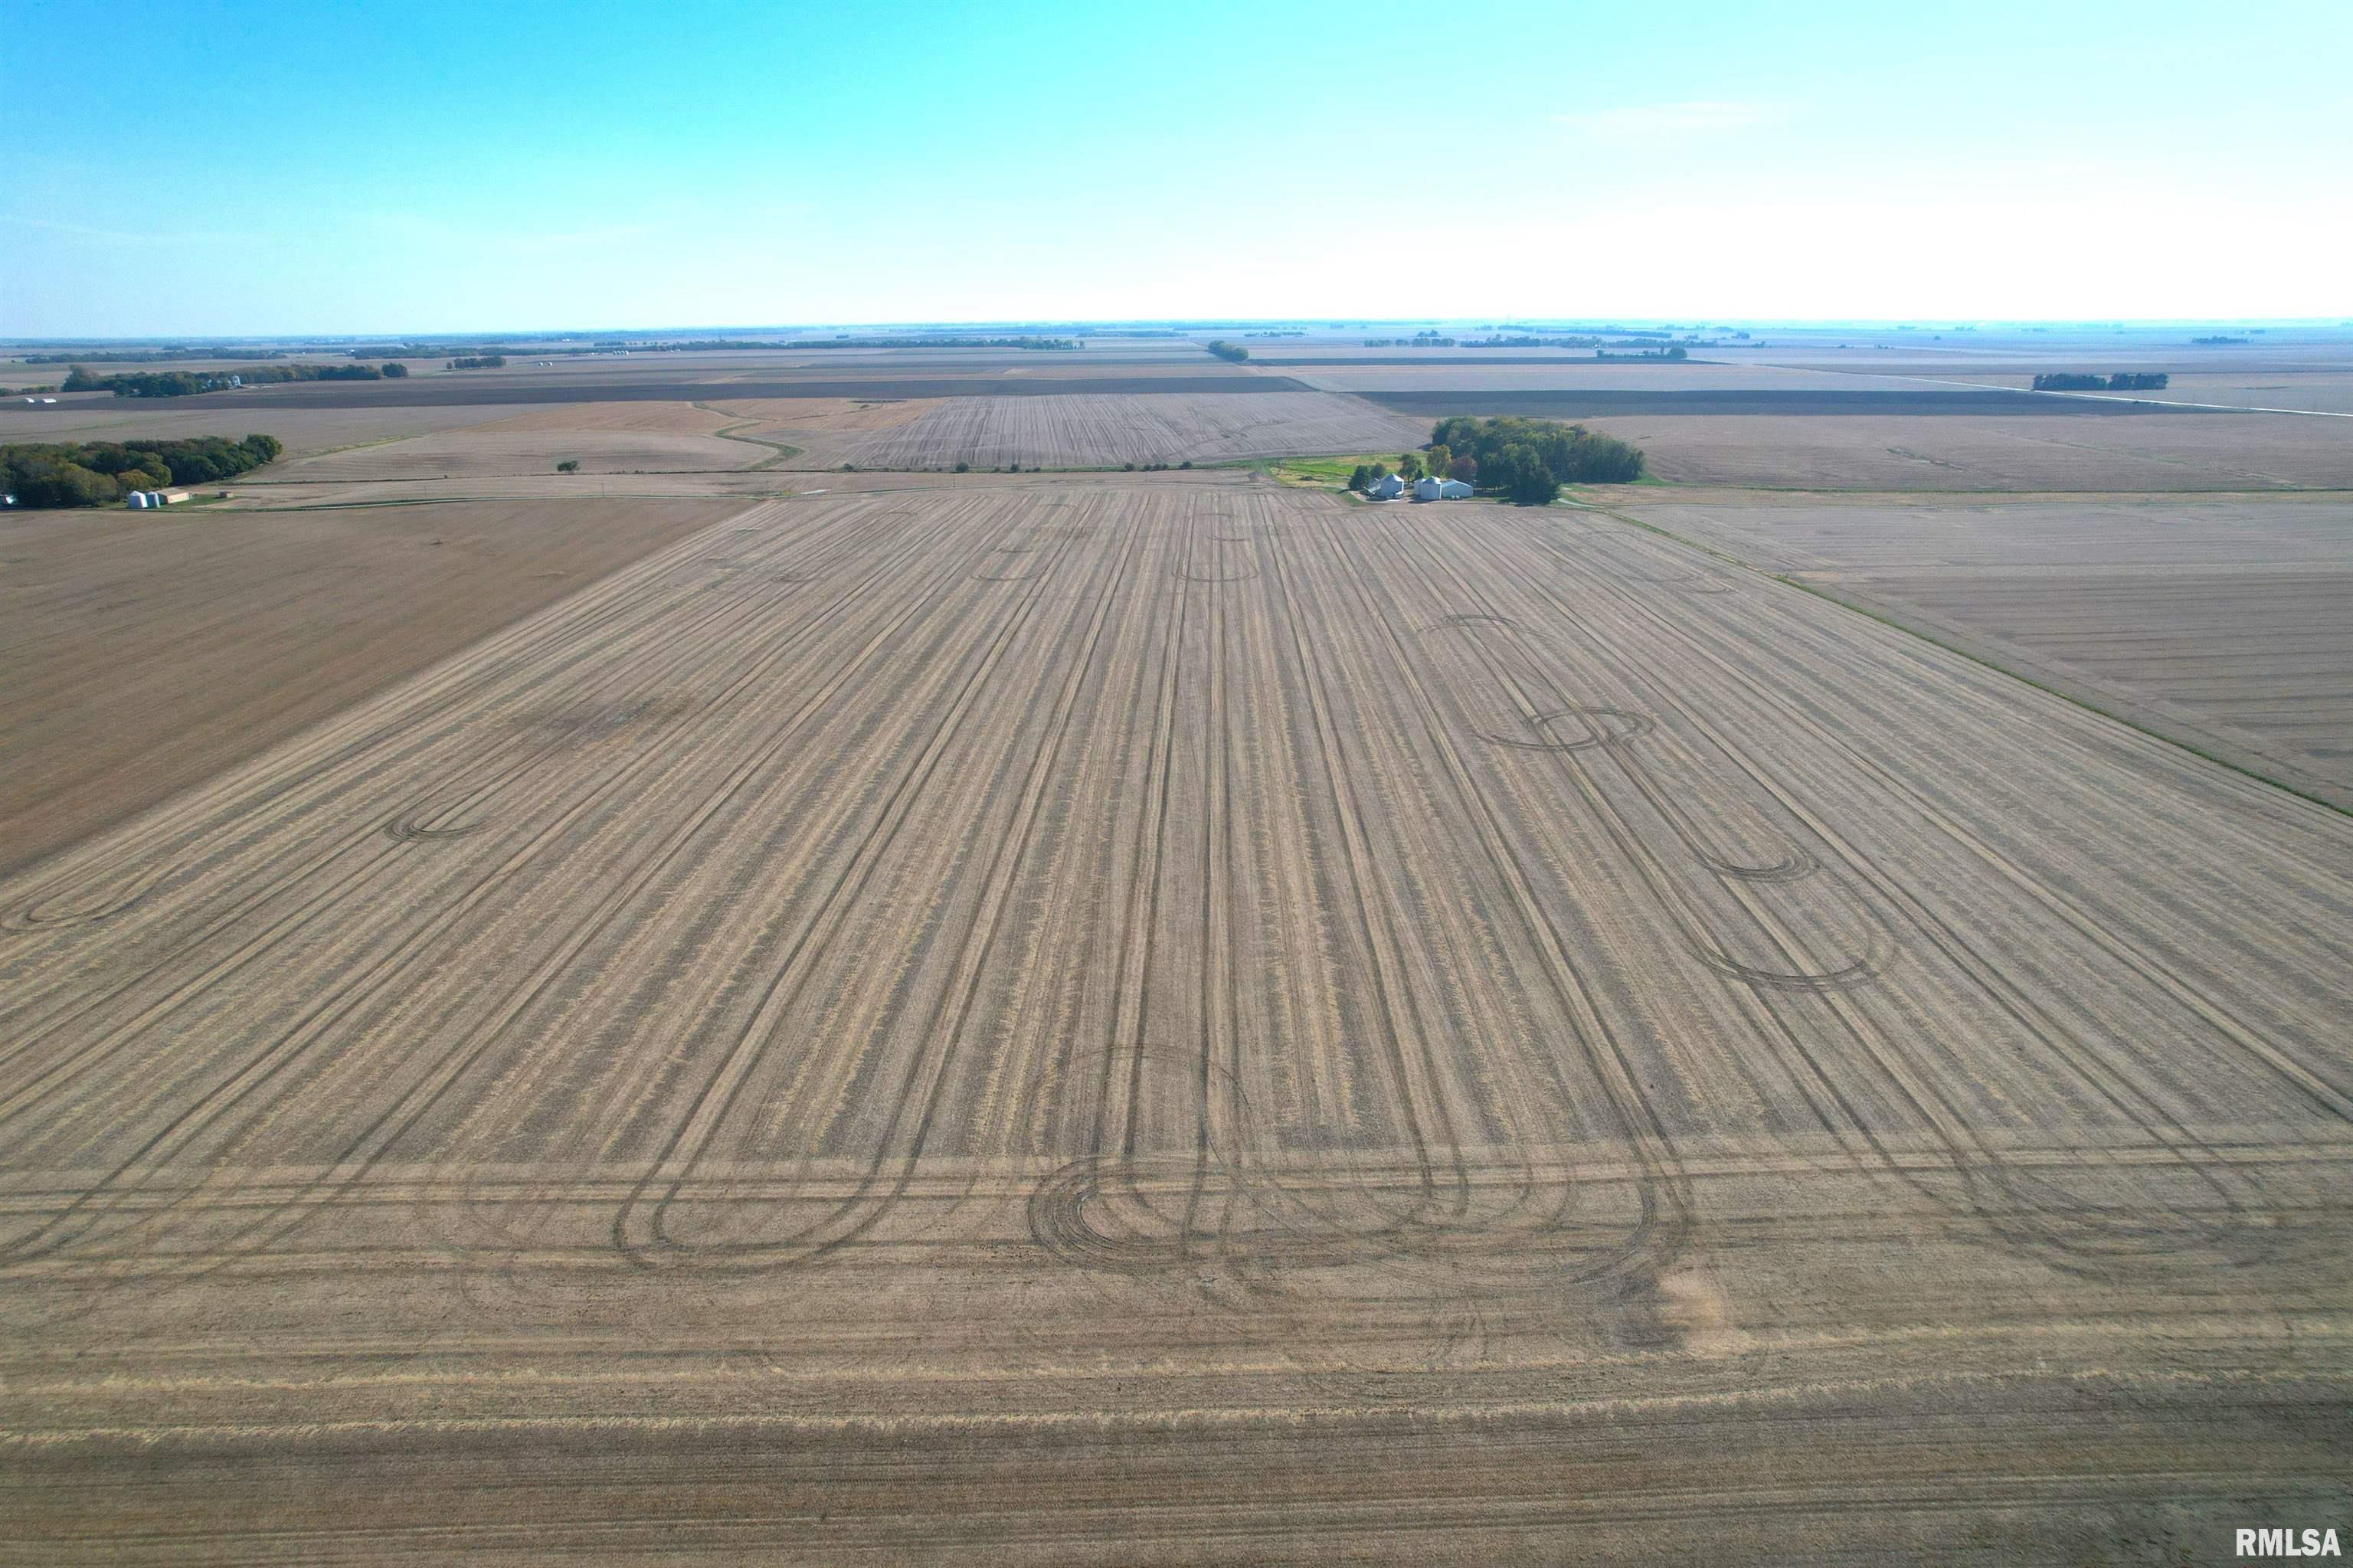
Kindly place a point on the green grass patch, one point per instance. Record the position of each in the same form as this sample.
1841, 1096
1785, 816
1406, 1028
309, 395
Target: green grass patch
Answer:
1331, 472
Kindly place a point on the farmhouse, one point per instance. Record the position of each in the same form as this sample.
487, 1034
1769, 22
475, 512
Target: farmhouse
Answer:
1430, 487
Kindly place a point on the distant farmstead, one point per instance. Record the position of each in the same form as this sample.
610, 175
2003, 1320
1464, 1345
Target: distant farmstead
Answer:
147, 500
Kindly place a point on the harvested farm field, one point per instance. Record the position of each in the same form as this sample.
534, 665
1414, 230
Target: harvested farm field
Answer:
2220, 622
1994, 452
146, 651
457, 391
305, 431
1099, 431
1787, 402
1139, 1021
503, 448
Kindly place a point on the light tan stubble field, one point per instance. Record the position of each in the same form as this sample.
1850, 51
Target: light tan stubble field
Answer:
1146, 1022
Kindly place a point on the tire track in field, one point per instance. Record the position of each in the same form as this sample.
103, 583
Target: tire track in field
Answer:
335, 1182
125, 874
1143, 1214
1662, 1224
950, 1018
1799, 972
523, 752
639, 1231
884, 642
2331, 1098
301, 872
2056, 1222
1081, 1214
257, 945
153, 1156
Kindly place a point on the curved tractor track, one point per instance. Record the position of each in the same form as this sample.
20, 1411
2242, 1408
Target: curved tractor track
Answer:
1396, 1020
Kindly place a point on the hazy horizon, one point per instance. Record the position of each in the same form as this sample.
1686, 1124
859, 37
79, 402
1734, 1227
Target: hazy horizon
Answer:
366, 172
1691, 321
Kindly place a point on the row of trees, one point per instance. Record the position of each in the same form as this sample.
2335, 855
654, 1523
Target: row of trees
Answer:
845, 342
187, 383
151, 355
479, 362
1228, 350
92, 473
2122, 381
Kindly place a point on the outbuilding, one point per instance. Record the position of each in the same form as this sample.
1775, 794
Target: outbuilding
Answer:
1430, 487
1388, 487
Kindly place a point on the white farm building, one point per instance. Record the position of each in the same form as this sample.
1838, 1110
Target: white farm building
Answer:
1388, 487
1432, 488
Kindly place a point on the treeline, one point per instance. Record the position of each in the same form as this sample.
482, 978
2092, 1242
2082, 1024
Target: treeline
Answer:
2122, 381
1638, 341
92, 473
1499, 340
1530, 460
1056, 344
414, 350
479, 362
150, 356
187, 383
1234, 351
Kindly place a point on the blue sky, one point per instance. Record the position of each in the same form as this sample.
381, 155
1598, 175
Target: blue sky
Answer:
241, 166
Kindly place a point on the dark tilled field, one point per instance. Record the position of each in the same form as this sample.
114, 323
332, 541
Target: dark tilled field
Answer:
1598, 404
425, 393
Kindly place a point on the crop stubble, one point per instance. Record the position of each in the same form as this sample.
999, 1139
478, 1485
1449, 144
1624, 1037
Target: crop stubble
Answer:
1096, 997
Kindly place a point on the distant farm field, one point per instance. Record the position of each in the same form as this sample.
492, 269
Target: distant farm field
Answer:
1952, 452
1125, 1021
1105, 431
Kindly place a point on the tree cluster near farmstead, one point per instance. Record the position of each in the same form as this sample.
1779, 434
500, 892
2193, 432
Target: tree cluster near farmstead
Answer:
92, 473
1530, 460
